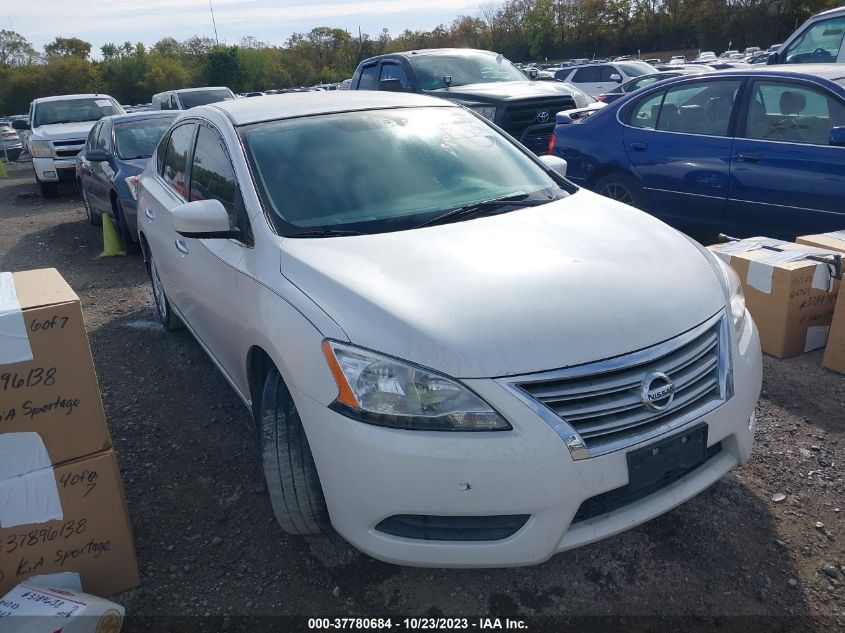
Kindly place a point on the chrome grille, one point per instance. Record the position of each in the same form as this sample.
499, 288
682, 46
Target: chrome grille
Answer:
602, 401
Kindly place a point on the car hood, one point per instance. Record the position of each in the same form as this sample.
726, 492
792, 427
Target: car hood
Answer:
134, 166
63, 131
505, 90
573, 281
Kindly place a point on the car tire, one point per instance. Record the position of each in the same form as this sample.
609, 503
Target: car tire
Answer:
94, 218
48, 189
622, 188
166, 315
292, 480
131, 245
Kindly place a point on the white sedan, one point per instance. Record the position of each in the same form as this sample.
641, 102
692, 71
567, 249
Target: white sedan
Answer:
455, 357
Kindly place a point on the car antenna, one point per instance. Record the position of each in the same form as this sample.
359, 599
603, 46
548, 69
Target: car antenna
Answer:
447, 81
835, 264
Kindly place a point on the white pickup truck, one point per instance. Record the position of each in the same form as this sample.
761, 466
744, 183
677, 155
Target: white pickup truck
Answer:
60, 127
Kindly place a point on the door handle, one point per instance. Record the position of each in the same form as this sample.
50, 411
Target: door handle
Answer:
182, 247
749, 158
639, 147
151, 215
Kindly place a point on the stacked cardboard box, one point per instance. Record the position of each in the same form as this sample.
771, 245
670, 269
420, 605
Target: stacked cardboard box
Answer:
790, 297
834, 353
62, 507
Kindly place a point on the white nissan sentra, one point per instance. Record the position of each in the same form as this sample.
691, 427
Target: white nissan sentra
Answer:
455, 356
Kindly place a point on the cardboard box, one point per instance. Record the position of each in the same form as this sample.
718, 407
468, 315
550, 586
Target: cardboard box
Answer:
47, 379
834, 353
83, 526
32, 608
834, 241
790, 297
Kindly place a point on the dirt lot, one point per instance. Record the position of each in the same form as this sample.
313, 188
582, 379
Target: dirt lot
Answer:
208, 544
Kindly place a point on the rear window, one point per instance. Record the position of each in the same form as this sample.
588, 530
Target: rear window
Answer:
636, 69
204, 97
74, 110
138, 139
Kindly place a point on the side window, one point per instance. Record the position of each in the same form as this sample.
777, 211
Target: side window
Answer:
782, 111
212, 174
175, 165
820, 43
103, 134
91, 143
162, 101
587, 75
395, 71
369, 78
646, 111
160, 151
607, 71
174, 104
699, 108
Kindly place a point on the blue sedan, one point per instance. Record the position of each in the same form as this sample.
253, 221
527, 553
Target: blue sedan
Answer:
117, 149
750, 152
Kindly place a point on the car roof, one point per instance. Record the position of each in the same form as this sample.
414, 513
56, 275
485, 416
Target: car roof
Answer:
291, 105
200, 89
144, 114
68, 97
825, 71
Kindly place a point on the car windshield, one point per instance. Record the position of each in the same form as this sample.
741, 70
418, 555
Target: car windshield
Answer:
636, 69
74, 110
385, 170
469, 68
196, 98
138, 139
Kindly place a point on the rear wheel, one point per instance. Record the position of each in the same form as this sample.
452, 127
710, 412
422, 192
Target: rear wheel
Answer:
622, 188
292, 479
48, 189
94, 218
129, 241
168, 318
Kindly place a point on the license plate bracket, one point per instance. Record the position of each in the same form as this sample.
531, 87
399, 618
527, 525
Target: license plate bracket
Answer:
662, 460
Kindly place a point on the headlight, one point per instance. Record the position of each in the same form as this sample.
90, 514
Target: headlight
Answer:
736, 298
40, 149
488, 112
388, 392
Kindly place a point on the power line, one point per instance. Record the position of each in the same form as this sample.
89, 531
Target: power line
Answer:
211, 8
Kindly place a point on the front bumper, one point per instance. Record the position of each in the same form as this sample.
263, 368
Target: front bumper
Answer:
370, 473
54, 169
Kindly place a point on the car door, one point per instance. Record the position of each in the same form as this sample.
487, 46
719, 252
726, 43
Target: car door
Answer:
392, 71
100, 171
786, 179
369, 77
167, 190
207, 268
679, 142
85, 171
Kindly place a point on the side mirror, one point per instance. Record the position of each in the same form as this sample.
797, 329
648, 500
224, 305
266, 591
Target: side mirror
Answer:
616, 77
20, 124
390, 85
556, 163
533, 74
837, 136
202, 219
96, 155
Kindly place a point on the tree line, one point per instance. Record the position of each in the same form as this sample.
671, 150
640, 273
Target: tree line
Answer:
520, 29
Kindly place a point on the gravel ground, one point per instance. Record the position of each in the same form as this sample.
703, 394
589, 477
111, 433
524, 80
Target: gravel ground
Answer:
208, 544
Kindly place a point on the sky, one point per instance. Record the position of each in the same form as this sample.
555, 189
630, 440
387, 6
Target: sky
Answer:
272, 21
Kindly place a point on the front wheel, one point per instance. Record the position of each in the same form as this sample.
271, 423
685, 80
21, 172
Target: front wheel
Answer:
622, 188
292, 480
168, 318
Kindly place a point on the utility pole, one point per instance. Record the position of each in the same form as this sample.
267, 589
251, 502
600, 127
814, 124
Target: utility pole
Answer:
213, 22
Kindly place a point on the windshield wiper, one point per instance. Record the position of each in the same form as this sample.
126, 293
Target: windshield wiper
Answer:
324, 233
488, 207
